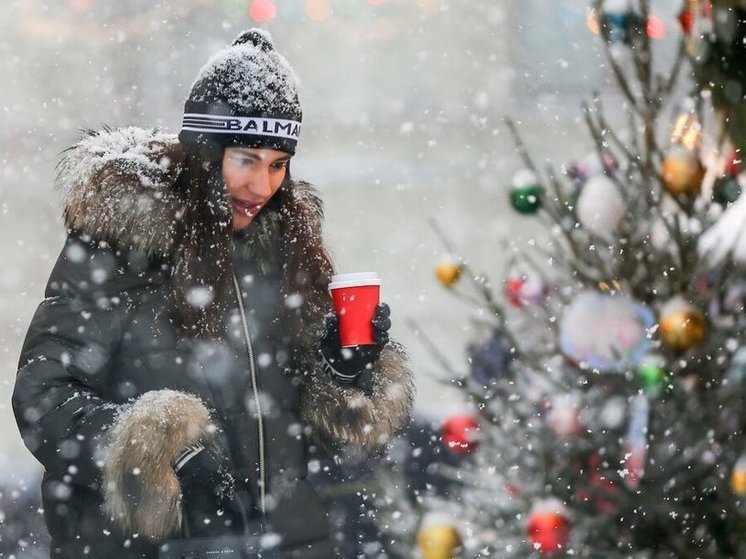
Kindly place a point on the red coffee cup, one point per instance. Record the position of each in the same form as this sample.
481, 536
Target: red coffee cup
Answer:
354, 298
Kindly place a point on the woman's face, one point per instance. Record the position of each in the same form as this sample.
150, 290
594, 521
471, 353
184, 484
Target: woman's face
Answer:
252, 176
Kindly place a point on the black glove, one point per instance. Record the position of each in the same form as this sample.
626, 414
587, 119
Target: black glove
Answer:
207, 489
345, 365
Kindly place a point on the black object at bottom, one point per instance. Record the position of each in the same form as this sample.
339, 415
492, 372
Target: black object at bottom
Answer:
226, 547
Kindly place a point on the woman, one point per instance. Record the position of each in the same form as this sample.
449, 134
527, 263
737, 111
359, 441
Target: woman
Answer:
184, 366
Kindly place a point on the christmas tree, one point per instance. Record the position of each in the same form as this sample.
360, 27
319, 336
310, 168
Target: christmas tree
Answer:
608, 393
715, 32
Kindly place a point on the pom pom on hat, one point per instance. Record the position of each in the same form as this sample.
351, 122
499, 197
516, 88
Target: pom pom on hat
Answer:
246, 95
255, 36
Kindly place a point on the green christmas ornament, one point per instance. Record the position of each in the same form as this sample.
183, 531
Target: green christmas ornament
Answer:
726, 190
652, 378
526, 192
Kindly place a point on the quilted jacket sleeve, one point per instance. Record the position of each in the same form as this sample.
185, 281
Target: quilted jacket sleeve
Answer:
59, 397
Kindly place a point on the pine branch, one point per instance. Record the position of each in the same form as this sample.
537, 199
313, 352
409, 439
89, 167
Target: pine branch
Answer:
520, 146
665, 91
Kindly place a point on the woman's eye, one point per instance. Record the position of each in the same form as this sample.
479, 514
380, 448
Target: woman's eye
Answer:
280, 165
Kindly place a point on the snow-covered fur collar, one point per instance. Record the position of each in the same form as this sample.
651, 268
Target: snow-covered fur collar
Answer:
118, 185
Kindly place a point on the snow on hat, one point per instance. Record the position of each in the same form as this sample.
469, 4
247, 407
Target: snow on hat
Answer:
246, 95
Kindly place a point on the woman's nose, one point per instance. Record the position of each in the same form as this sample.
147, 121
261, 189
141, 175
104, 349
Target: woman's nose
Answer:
260, 185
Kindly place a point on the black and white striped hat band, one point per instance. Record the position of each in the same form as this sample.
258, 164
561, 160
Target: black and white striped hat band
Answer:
237, 125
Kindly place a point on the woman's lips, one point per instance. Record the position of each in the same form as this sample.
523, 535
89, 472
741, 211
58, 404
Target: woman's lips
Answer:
245, 208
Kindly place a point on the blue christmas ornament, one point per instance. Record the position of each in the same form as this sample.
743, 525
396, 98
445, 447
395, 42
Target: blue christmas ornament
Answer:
620, 23
490, 359
614, 27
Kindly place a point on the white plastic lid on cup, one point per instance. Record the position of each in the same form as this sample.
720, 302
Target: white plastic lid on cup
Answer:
354, 280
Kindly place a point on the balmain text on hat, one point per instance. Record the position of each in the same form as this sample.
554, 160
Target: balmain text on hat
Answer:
278, 127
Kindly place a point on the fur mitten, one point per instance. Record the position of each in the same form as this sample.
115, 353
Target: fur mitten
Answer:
141, 491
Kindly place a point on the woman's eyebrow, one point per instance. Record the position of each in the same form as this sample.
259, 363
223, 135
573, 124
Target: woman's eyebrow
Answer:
249, 154
262, 157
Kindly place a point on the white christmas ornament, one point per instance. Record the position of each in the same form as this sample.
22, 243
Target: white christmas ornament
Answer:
593, 164
600, 207
564, 414
605, 332
524, 177
727, 234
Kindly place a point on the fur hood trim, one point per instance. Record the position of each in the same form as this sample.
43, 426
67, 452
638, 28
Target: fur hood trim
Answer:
117, 185
347, 415
141, 491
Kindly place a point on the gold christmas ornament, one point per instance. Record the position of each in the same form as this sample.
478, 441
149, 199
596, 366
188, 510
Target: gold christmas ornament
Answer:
738, 477
681, 325
439, 541
448, 273
682, 172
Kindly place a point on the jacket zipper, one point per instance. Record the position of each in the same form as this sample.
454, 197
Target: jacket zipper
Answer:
255, 390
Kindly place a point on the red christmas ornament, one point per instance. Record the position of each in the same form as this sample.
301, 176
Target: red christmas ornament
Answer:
513, 287
522, 290
733, 163
548, 531
461, 434
655, 28
262, 11
686, 19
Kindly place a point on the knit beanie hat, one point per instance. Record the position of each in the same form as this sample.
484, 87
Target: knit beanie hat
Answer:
246, 95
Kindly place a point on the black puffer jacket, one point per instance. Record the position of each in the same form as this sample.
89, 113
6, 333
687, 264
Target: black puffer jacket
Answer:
104, 379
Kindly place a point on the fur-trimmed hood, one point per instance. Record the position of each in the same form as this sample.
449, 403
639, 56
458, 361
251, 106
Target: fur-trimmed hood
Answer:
119, 185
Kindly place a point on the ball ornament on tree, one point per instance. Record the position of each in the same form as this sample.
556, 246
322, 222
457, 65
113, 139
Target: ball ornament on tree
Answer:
619, 22
460, 434
682, 172
563, 416
491, 358
591, 165
738, 477
686, 20
438, 539
726, 190
733, 163
681, 325
652, 378
526, 192
548, 527
604, 331
522, 289
600, 206
448, 271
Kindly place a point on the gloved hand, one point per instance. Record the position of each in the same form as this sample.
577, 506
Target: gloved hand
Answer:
345, 365
207, 489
